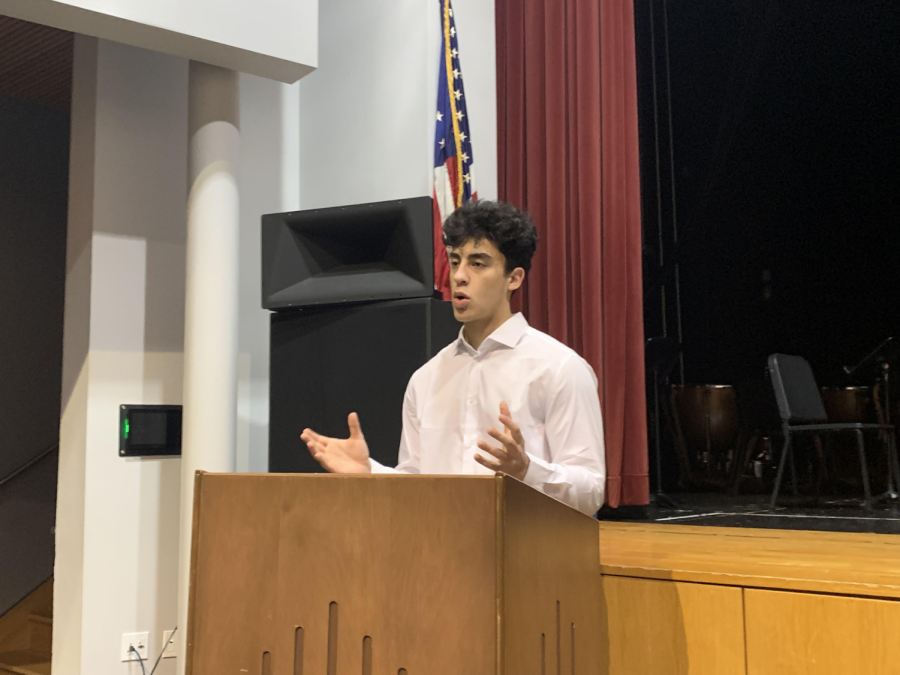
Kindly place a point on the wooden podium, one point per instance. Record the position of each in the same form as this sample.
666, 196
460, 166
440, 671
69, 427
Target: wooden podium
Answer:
310, 574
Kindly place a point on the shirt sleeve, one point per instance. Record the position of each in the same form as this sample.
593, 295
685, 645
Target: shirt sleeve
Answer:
573, 430
410, 448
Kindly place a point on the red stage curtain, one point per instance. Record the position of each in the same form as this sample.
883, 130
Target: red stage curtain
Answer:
568, 153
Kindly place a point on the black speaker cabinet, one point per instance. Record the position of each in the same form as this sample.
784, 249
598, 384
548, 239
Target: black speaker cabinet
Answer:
358, 253
327, 362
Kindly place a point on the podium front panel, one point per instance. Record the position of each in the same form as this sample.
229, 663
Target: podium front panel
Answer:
552, 588
390, 575
335, 575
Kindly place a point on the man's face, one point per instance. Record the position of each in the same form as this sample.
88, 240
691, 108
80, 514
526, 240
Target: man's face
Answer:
478, 280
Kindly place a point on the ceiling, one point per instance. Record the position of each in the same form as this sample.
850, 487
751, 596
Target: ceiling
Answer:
36, 62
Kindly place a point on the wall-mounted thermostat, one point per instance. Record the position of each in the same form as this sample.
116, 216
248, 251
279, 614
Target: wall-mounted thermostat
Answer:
149, 430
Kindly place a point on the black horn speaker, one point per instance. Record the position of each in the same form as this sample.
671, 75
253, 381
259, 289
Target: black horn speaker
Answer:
345, 254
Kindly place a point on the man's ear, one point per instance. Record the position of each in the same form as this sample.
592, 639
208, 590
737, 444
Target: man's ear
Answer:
515, 279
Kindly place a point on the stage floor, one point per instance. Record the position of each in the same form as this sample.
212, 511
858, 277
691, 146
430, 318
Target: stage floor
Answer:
706, 600
823, 562
752, 511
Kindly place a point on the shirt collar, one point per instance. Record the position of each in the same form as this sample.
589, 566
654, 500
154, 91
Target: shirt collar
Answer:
507, 334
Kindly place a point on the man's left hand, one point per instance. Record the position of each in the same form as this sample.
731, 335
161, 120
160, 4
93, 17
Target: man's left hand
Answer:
511, 457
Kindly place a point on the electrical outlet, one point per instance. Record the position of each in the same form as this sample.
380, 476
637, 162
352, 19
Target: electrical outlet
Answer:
169, 646
139, 642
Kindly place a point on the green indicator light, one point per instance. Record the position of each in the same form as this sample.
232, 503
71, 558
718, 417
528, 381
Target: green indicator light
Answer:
126, 428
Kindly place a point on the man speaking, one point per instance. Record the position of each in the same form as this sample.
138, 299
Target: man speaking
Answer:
502, 397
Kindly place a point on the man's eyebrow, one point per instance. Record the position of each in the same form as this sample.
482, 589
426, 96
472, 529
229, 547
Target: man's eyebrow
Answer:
479, 256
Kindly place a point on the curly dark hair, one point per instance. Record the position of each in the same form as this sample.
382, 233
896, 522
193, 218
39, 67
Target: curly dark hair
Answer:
505, 226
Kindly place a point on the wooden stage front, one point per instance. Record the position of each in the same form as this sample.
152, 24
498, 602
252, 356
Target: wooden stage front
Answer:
733, 601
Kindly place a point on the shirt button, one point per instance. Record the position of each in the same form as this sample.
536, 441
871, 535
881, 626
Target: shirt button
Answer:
471, 401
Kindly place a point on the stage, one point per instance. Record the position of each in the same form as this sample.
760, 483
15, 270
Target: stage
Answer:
830, 514
701, 599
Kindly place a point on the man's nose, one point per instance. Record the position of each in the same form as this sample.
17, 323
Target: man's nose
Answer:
460, 276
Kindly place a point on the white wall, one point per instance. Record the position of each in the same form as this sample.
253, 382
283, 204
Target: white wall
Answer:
269, 183
361, 131
365, 129
117, 519
272, 38
367, 120
117, 533
478, 56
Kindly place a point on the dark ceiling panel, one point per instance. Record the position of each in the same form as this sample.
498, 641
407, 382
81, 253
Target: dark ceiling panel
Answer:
36, 62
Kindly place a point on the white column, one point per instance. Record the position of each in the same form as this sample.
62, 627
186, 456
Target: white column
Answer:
211, 297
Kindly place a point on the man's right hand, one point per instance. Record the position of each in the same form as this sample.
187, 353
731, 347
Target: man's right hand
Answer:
340, 455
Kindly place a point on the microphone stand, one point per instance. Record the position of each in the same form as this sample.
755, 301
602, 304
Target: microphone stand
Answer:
883, 355
661, 355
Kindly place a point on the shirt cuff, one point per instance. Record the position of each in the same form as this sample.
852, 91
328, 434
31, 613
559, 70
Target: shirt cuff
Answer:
538, 474
378, 467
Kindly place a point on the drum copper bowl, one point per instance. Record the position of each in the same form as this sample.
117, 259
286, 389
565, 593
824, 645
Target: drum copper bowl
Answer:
852, 404
708, 416
848, 404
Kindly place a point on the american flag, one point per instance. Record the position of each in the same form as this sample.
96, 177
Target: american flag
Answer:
452, 145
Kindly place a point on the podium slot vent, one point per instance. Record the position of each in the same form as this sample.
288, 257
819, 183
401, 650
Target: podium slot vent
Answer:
558, 641
267, 663
331, 668
573, 649
367, 656
298, 651
543, 654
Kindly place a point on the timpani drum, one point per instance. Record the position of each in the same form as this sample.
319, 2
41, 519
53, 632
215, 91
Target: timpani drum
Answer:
708, 419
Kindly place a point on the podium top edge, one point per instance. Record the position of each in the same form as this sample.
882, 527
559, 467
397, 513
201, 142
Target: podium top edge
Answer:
359, 476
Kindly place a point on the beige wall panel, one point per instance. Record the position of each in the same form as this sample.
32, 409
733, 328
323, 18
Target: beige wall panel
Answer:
803, 633
673, 628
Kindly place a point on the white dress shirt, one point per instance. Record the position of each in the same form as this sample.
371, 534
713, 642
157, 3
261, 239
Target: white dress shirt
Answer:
453, 399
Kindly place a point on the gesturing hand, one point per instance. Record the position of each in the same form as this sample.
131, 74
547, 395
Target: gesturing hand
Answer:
340, 455
510, 459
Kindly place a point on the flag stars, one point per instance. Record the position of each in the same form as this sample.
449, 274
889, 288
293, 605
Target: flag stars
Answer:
457, 136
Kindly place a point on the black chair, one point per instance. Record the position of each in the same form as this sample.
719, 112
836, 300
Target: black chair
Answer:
801, 410
758, 415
